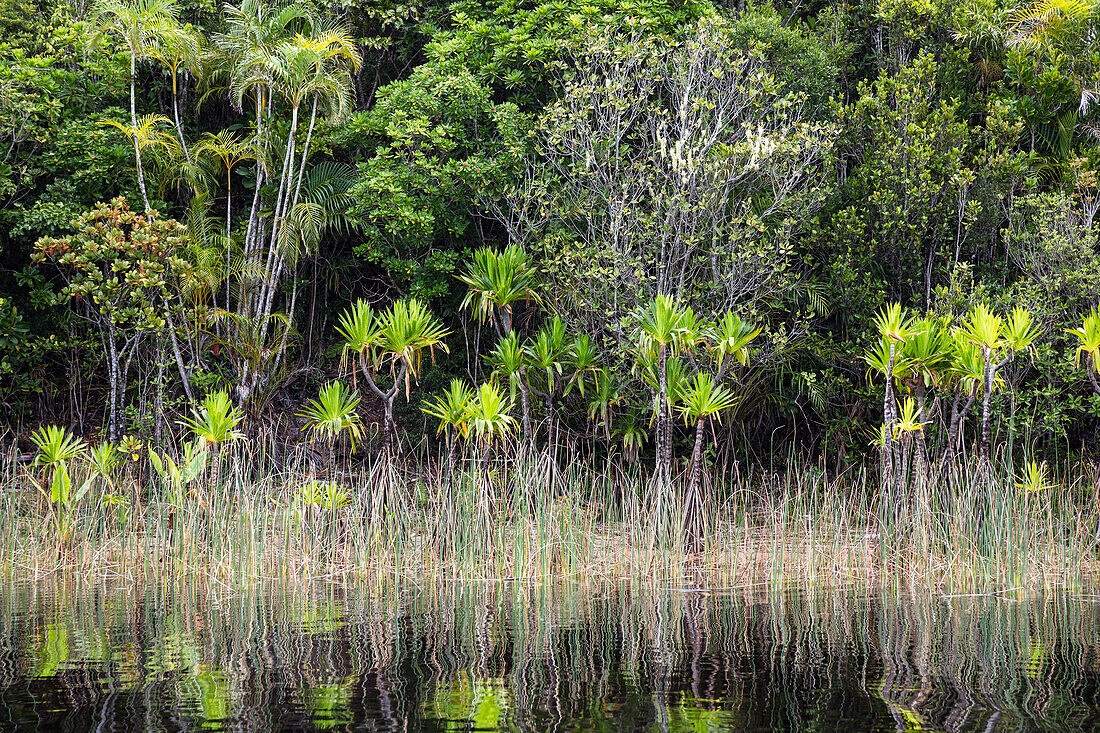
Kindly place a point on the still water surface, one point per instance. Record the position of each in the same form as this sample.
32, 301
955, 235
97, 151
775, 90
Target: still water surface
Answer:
486, 657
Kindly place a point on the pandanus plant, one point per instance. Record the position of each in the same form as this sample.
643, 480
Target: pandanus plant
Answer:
909, 428
1088, 349
549, 354
453, 413
699, 401
1088, 353
509, 362
56, 448
332, 415
489, 423
963, 379
998, 341
665, 328
894, 326
393, 341
214, 423
495, 283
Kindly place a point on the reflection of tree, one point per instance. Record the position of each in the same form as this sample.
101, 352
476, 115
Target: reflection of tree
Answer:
504, 656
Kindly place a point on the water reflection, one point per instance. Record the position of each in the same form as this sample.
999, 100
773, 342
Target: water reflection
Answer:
549, 657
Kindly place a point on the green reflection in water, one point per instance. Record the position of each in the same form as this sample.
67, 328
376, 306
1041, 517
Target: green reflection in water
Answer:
536, 657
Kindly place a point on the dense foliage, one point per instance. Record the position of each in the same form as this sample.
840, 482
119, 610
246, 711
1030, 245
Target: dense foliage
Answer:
662, 228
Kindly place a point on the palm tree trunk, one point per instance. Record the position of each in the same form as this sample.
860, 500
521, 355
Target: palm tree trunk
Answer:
133, 129
228, 229
176, 116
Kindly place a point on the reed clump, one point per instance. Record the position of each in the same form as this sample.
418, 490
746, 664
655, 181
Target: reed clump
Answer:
255, 510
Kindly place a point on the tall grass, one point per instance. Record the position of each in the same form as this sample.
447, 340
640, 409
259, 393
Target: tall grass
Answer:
293, 516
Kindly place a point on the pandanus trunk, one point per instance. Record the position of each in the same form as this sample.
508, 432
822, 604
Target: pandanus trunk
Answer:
989, 371
954, 432
922, 445
694, 508
525, 406
662, 467
889, 417
389, 426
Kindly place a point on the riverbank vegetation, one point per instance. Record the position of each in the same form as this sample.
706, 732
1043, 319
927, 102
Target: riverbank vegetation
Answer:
517, 291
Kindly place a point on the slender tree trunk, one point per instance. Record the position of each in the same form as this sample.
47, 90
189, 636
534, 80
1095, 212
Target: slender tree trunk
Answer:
662, 467
694, 522
525, 406
228, 229
548, 400
987, 399
305, 154
389, 428
133, 130
1092, 378
889, 417
113, 373
176, 117
176, 352
452, 451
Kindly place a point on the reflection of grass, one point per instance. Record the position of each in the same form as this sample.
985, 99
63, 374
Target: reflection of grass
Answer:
470, 703
328, 704
584, 518
609, 655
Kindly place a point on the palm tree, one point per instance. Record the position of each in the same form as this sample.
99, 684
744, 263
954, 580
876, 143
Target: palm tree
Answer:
178, 47
998, 342
1062, 32
664, 329
280, 52
1051, 26
230, 150
699, 400
1088, 334
396, 339
145, 134
312, 70
141, 25
495, 283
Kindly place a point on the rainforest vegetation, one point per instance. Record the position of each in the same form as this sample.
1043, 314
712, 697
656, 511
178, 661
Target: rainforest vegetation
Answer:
437, 268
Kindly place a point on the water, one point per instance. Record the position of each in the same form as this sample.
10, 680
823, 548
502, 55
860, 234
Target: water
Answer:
484, 657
